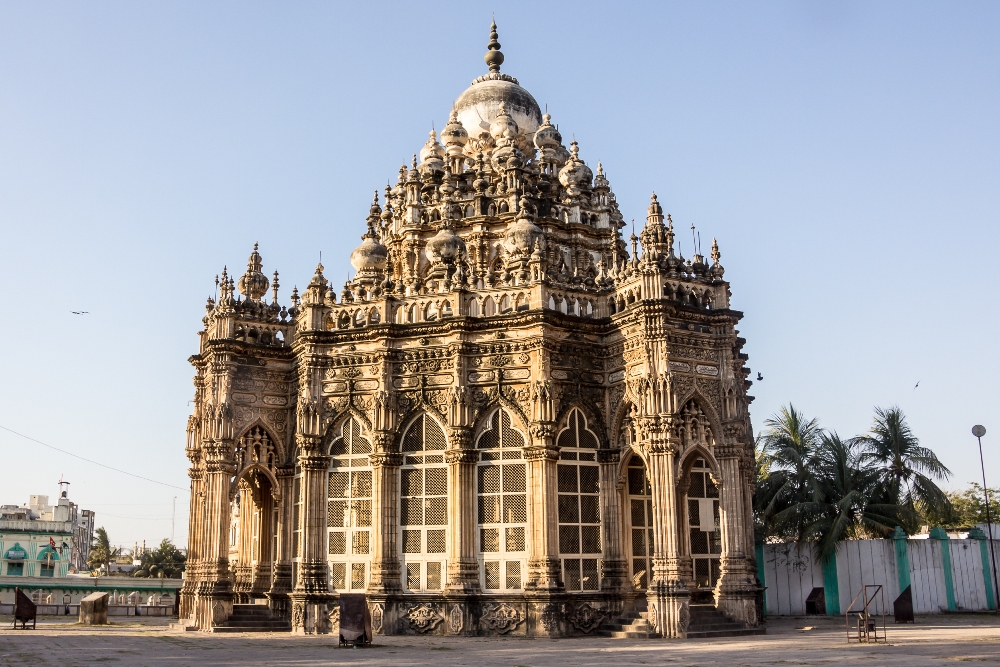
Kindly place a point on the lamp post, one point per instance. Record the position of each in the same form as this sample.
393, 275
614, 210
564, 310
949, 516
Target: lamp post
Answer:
979, 431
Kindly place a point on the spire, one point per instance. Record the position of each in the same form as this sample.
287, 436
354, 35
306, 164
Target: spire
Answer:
716, 255
374, 214
654, 215
493, 56
274, 288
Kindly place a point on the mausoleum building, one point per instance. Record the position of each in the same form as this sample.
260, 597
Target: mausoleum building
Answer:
511, 420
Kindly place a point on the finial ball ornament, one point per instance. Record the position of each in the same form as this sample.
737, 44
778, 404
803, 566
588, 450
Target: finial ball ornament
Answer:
979, 430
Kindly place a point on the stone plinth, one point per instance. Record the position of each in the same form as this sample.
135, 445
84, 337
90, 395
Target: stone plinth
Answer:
94, 609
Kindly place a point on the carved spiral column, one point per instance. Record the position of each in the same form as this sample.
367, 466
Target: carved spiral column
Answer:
384, 577
213, 592
671, 595
463, 569
281, 576
736, 591
615, 577
311, 593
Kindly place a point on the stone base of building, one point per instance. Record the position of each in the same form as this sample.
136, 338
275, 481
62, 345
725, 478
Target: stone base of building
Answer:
548, 615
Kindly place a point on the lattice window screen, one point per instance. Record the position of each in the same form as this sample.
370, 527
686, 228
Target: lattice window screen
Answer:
349, 508
501, 497
578, 483
423, 514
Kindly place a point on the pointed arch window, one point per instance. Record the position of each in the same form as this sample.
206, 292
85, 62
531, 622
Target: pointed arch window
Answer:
349, 508
579, 504
703, 524
640, 507
423, 506
501, 497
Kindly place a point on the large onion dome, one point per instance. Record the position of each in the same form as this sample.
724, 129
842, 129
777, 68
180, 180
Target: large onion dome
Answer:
480, 103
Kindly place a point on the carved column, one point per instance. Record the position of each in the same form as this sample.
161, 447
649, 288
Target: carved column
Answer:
463, 569
736, 591
311, 593
384, 576
543, 516
213, 592
669, 588
281, 576
615, 577
197, 474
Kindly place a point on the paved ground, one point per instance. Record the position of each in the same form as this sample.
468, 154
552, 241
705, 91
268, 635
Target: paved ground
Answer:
934, 640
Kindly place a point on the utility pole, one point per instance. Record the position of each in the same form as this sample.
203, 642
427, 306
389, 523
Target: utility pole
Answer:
979, 431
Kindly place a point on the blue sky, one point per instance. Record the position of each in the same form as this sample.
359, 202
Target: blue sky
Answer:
844, 154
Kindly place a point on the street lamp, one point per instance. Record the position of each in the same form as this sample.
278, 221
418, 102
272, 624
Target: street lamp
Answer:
979, 431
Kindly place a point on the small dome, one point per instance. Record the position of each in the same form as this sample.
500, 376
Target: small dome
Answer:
371, 256
253, 284
454, 133
431, 157
575, 175
547, 135
503, 126
523, 235
445, 246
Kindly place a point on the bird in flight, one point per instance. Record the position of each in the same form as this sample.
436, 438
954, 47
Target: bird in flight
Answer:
80, 312
759, 376
917, 384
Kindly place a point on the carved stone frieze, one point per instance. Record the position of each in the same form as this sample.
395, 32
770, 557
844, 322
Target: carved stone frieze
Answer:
500, 617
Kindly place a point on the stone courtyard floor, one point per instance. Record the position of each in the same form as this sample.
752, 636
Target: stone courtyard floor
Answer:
934, 640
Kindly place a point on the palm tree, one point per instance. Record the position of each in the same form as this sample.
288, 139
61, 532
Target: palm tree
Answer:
101, 551
789, 442
842, 505
905, 470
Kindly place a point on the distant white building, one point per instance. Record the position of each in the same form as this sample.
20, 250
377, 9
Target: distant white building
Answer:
39, 539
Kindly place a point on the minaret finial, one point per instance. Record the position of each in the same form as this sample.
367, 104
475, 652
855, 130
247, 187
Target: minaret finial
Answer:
493, 56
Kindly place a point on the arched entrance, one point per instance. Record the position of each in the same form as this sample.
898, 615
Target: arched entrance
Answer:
253, 528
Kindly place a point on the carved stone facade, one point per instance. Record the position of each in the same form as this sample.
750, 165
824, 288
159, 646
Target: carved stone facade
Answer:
510, 421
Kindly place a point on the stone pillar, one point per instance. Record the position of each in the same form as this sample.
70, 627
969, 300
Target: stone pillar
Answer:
670, 603
281, 576
194, 552
615, 577
463, 569
213, 592
736, 591
384, 576
543, 518
312, 588
544, 588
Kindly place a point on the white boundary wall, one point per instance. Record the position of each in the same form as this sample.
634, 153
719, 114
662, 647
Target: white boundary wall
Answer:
792, 571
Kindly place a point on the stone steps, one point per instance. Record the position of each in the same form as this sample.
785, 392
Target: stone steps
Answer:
252, 618
706, 622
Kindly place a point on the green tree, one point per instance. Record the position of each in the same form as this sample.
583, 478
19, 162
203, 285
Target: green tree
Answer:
965, 509
843, 504
906, 470
102, 554
783, 496
165, 562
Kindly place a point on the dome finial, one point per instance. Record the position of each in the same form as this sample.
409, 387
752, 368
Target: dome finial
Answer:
493, 57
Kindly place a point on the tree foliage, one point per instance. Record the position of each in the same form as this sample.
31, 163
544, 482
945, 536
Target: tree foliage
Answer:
165, 562
102, 554
812, 485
